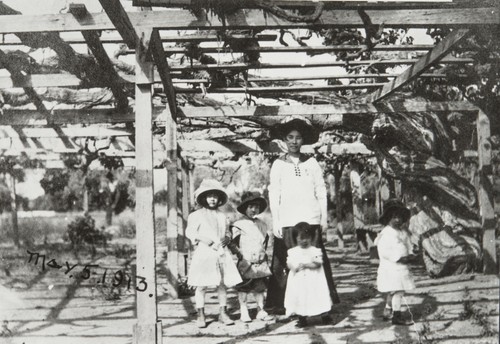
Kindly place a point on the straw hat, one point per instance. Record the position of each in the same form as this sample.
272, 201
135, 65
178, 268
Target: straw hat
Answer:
302, 125
210, 185
391, 207
252, 197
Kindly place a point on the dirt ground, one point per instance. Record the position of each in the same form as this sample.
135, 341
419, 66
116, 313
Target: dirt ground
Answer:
52, 306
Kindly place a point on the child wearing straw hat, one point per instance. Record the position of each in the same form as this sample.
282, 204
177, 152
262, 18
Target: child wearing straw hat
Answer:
250, 237
212, 263
395, 252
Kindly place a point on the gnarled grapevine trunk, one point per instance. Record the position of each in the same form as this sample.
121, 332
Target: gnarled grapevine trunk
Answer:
417, 149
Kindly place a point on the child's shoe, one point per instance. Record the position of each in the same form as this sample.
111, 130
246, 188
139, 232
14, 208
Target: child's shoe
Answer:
224, 318
398, 319
262, 315
326, 319
245, 317
387, 315
201, 321
302, 322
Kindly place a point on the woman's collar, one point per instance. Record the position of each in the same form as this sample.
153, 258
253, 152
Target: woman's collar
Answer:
302, 157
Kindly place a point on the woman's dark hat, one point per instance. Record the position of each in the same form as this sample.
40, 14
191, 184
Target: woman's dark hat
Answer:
210, 185
391, 207
302, 125
252, 197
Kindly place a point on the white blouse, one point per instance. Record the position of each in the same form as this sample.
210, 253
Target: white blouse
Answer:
297, 192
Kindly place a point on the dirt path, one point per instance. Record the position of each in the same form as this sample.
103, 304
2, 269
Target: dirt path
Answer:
56, 308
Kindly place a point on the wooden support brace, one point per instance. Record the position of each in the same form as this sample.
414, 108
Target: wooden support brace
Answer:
147, 43
422, 64
19, 76
121, 21
107, 68
485, 194
30, 92
95, 45
160, 60
172, 209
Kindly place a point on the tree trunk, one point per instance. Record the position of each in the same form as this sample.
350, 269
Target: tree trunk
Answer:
85, 199
13, 205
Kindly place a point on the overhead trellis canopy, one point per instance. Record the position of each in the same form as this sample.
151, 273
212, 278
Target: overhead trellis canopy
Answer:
201, 71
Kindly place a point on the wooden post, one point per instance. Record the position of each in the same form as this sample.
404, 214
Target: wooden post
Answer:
147, 330
172, 219
485, 194
357, 212
185, 209
191, 184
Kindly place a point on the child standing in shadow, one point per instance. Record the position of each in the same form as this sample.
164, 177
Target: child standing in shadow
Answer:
307, 293
250, 237
395, 251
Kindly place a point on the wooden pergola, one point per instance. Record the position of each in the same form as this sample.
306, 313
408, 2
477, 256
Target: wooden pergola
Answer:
143, 33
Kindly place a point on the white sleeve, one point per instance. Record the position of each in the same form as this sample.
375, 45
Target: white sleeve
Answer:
317, 256
292, 260
320, 192
192, 228
275, 193
236, 229
391, 248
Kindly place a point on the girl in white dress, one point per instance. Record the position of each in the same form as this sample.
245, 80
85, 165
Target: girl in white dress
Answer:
307, 292
395, 252
212, 263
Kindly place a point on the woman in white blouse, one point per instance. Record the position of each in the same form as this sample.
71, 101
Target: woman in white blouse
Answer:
297, 193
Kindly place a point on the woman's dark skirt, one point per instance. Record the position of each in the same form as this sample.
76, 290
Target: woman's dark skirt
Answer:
277, 282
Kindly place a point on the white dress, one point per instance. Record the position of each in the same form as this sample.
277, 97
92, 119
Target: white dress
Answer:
391, 246
210, 267
307, 291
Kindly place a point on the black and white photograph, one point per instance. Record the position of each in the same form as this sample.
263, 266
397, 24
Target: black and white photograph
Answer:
249, 171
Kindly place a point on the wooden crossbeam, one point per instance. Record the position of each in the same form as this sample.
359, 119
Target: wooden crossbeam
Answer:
274, 89
69, 80
250, 19
320, 110
102, 58
111, 116
244, 66
303, 49
344, 76
421, 65
70, 116
12, 40
333, 3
